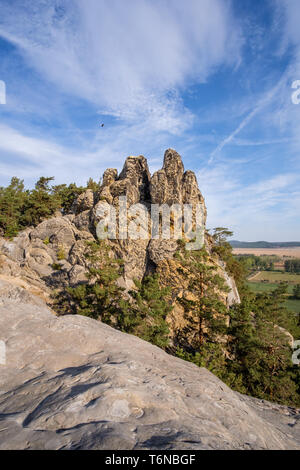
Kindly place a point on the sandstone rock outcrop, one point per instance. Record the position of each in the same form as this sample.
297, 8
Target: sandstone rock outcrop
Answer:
74, 383
52, 254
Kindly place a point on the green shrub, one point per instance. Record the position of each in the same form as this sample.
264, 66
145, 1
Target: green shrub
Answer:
56, 267
61, 255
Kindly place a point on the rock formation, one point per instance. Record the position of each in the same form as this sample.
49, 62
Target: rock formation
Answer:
51, 255
74, 383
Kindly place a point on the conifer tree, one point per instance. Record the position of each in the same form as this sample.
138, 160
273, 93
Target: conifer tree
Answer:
40, 203
205, 312
261, 353
67, 195
93, 185
151, 308
100, 296
224, 250
12, 201
143, 312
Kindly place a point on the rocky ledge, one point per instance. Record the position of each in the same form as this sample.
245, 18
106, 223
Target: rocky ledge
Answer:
75, 383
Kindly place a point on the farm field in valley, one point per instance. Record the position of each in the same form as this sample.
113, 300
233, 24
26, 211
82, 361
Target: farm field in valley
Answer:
266, 287
277, 277
291, 304
266, 281
293, 252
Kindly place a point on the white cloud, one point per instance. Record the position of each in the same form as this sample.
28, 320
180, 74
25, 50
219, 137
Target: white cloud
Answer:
263, 102
291, 10
129, 58
266, 209
29, 155
287, 116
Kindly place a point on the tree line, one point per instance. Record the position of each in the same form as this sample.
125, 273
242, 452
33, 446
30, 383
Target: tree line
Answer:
292, 266
258, 263
21, 208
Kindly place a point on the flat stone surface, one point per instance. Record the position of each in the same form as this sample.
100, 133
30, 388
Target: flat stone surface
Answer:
75, 383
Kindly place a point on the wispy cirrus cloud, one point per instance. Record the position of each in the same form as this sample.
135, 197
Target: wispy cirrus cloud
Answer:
128, 58
267, 99
28, 155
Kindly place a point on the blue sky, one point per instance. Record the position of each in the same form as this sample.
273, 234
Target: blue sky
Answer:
210, 78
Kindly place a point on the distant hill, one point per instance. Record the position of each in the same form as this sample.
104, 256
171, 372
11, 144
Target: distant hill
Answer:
263, 244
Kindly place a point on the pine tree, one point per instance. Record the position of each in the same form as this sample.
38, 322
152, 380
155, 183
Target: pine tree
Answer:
224, 250
151, 308
260, 351
100, 297
12, 201
67, 195
274, 350
143, 312
93, 185
40, 203
205, 312
243, 341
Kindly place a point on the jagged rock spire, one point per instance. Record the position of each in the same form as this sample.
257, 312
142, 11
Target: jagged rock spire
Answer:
171, 185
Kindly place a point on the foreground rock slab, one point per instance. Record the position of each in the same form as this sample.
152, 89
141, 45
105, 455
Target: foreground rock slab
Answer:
74, 383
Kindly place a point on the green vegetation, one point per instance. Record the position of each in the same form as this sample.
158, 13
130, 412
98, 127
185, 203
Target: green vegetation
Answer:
99, 297
12, 201
259, 356
258, 263
205, 313
292, 266
223, 249
296, 292
277, 277
258, 352
261, 280
292, 303
21, 208
257, 287
61, 255
150, 309
143, 313
56, 267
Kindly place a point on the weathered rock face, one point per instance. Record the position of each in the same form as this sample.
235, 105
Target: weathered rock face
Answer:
75, 383
171, 185
84, 202
52, 254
